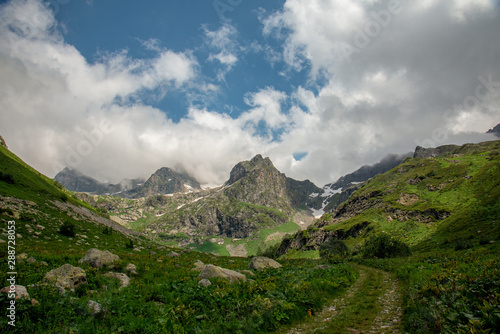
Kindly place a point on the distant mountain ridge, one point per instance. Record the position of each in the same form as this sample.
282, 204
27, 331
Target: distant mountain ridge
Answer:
256, 195
163, 181
335, 193
74, 180
495, 130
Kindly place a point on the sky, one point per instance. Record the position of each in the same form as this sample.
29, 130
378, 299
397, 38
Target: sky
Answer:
120, 88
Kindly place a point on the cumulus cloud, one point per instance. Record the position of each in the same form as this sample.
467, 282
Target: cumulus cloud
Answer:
391, 75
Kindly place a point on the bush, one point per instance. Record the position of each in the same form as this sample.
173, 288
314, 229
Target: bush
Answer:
463, 244
334, 251
129, 244
8, 178
383, 246
107, 230
67, 229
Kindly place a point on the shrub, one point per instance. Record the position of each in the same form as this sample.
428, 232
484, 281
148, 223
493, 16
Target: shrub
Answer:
67, 229
107, 230
129, 244
334, 251
462, 244
383, 246
8, 178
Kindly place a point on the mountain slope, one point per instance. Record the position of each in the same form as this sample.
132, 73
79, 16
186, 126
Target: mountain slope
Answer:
73, 180
163, 181
40, 205
256, 196
426, 202
338, 192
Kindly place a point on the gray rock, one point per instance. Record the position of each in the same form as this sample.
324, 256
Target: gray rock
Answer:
31, 260
124, 279
198, 266
131, 268
261, 262
95, 307
204, 282
173, 254
211, 271
21, 292
98, 259
66, 277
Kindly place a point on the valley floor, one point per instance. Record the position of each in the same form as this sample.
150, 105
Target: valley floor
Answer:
371, 305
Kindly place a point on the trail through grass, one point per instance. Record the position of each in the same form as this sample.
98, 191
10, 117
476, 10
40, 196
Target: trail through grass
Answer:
371, 305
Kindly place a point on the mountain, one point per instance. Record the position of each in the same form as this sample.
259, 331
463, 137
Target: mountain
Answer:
441, 196
256, 196
163, 181
74, 180
495, 130
336, 193
2, 142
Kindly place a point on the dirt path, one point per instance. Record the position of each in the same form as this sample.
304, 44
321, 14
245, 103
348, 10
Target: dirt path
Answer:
371, 305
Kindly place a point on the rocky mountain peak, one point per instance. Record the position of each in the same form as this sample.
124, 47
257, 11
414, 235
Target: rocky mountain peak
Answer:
495, 130
2, 142
243, 168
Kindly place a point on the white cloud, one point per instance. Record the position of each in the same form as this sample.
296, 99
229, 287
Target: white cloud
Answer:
224, 47
57, 108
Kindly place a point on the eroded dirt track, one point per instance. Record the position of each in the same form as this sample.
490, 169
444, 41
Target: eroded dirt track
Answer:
371, 305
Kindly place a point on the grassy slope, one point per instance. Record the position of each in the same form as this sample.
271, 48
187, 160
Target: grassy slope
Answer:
164, 297
466, 184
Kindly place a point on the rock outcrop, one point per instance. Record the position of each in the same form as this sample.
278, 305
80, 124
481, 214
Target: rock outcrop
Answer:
261, 263
66, 277
98, 259
211, 271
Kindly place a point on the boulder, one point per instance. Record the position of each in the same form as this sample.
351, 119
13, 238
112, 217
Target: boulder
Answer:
198, 266
124, 279
67, 277
21, 292
131, 268
204, 282
98, 259
95, 307
211, 271
261, 262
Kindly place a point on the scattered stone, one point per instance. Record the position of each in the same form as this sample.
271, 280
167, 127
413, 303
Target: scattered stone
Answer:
95, 236
21, 257
261, 262
160, 247
31, 260
2, 241
18, 236
131, 268
204, 282
198, 266
323, 266
136, 250
152, 253
124, 279
21, 292
67, 277
159, 260
43, 263
173, 254
211, 271
247, 272
40, 227
98, 259
95, 307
